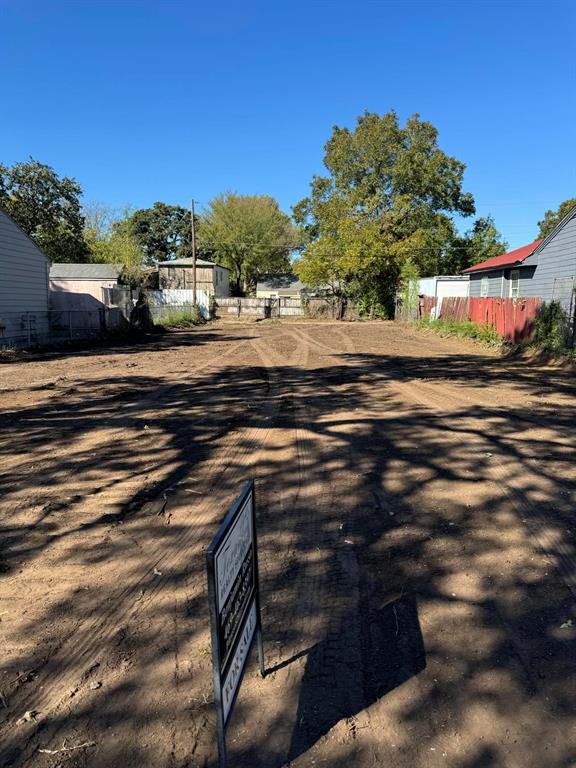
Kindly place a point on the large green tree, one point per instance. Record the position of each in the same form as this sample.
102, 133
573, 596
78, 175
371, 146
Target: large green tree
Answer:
551, 218
47, 207
249, 234
389, 195
163, 232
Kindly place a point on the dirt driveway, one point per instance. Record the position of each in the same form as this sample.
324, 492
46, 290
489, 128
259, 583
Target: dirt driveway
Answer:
417, 535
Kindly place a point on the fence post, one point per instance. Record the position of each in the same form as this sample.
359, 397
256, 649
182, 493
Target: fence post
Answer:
239, 307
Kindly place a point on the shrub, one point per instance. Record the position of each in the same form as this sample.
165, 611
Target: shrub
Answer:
181, 318
551, 328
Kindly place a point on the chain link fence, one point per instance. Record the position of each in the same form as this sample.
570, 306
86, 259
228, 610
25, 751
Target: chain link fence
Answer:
30, 329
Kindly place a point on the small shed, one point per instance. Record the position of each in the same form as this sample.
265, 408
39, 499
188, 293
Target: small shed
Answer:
210, 277
441, 286
82, 286
24, 285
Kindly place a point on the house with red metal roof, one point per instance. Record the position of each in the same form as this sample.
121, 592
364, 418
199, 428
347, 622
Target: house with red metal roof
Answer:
545, 268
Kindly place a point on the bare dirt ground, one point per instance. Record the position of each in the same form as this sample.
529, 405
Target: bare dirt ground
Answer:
417, 537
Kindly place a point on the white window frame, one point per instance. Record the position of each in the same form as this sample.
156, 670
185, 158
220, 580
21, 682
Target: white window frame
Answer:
484, 287
514, 283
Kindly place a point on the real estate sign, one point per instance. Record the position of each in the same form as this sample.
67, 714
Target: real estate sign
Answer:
232, 564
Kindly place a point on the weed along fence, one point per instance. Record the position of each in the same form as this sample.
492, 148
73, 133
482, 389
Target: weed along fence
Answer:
169, 303
513, 319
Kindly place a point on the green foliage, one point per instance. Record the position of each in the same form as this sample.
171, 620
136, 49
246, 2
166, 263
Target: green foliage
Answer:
463, 329
388, 198
181, 318
111, 243
550, 328
409, 279
162, 232
47, 207
552, 218
249, 234
370, 307
483, 241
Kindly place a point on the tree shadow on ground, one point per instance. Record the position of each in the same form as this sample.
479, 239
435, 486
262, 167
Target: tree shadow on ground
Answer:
341, 679
362, 532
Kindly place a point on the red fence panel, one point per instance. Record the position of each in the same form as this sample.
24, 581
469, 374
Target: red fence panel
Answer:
513, 319
425, 305
455, 308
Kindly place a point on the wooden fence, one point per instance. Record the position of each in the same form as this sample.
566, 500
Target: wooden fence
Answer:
284, 306
242, 307
513, 319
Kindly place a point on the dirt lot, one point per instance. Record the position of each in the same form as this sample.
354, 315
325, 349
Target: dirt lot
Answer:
417, 541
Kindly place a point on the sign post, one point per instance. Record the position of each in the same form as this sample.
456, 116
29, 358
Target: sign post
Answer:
234, 598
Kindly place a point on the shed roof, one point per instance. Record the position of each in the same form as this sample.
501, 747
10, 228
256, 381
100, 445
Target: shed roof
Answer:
505, 260
280, 282
190, 263
64, 271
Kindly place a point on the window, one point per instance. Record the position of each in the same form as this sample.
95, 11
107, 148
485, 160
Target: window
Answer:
216, 276
514, 283
484, 287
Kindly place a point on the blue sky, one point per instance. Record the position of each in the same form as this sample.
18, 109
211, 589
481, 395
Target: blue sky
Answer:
143, 101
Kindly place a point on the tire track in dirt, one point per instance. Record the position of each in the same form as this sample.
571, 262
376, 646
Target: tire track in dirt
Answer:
122, 492
87, 441
97, 632
234, 456
325, 584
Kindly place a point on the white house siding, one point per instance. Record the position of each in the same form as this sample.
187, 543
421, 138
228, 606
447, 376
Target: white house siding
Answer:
23, 269
23, 286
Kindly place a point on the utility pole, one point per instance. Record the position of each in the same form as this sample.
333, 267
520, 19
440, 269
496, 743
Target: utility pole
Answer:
193, 224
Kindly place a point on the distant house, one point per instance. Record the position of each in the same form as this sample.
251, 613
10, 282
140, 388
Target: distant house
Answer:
545, 268
24, 283
82, 286
210, 277
274, 286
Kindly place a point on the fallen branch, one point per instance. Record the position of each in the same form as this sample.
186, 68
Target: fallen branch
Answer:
67, 749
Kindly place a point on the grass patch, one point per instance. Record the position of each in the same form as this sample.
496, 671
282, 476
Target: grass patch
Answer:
184, 318
463, 329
